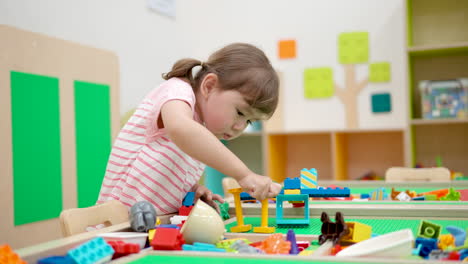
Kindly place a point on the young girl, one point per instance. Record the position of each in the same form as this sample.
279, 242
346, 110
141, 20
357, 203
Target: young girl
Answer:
159, 154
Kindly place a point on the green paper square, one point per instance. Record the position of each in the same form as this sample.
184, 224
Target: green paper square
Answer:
37, 158
379, 72
381, 103
353, 47
318, 83
93, 138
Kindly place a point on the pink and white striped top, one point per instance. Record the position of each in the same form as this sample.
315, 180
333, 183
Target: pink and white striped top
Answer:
144, 163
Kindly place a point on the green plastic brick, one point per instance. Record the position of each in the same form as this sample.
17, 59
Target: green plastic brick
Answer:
318, 83
429, 230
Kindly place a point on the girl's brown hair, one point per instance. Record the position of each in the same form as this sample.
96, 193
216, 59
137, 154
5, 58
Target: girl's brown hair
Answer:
239, 66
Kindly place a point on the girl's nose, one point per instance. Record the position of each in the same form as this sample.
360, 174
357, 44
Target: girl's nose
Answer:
239, 126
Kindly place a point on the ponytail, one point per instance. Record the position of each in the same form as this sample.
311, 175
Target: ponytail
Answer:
183, 69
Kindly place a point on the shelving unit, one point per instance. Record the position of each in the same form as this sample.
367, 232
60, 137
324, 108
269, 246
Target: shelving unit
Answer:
437, 50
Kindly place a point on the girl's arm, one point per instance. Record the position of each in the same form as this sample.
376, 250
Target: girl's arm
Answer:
198, 142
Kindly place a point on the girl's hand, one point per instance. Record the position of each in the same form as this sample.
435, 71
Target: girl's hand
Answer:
260, 187
203, 193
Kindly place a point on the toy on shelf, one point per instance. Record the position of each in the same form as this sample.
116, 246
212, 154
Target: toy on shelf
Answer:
445, 98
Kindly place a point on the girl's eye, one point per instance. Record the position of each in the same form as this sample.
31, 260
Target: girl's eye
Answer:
240, 113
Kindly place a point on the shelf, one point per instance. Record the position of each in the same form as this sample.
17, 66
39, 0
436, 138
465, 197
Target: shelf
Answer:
441, 121
438, 49
450, 143
435, 22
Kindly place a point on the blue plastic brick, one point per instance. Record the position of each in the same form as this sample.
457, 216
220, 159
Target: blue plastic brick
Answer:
197, 246
168, 226
246, 196
427, 245
292, 183
458, 233
189, 199
327, 192
56, 260
95, 250
291, 197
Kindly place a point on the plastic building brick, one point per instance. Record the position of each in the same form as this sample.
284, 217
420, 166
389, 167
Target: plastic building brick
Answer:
446, 241
167, 239
142, 216
427, 245
95, 250
309, 178
291, 197
275, 244
452, 195
189, 199
332, 231
292, 191
264, 228
55, 260
327, 192
458, 233
227, 243
438, 193
292, 183
224, 208
302, 245
428, 230
177, 219
291, 237
240, 246
378, 194
357, 232
241, 227
244, 196
403, 197
197, 246
8, 256
438, 254
123, 249
185, 210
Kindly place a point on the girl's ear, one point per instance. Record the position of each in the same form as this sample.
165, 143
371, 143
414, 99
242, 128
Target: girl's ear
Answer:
208, 84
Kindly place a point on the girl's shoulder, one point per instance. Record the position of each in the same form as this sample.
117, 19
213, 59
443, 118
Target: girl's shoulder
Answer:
172, 87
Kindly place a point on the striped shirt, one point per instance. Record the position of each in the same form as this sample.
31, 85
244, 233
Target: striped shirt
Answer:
144, 163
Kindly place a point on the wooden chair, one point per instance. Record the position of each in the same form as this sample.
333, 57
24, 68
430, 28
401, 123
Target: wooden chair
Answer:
399, 174
76, 220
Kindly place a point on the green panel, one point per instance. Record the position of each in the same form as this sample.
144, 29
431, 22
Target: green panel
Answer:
93, 138
379, 72
381, 103
380, 226
151, 259
318, 83
37, 171
353, 47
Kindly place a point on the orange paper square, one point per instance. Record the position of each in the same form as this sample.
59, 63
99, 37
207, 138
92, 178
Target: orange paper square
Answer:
287, 49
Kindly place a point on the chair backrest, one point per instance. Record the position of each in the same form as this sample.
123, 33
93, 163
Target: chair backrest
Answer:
399, 174
76, 220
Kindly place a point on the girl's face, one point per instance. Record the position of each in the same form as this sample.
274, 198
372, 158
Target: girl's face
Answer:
225, 113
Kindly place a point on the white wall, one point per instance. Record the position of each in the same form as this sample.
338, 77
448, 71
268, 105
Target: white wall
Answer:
148, 43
